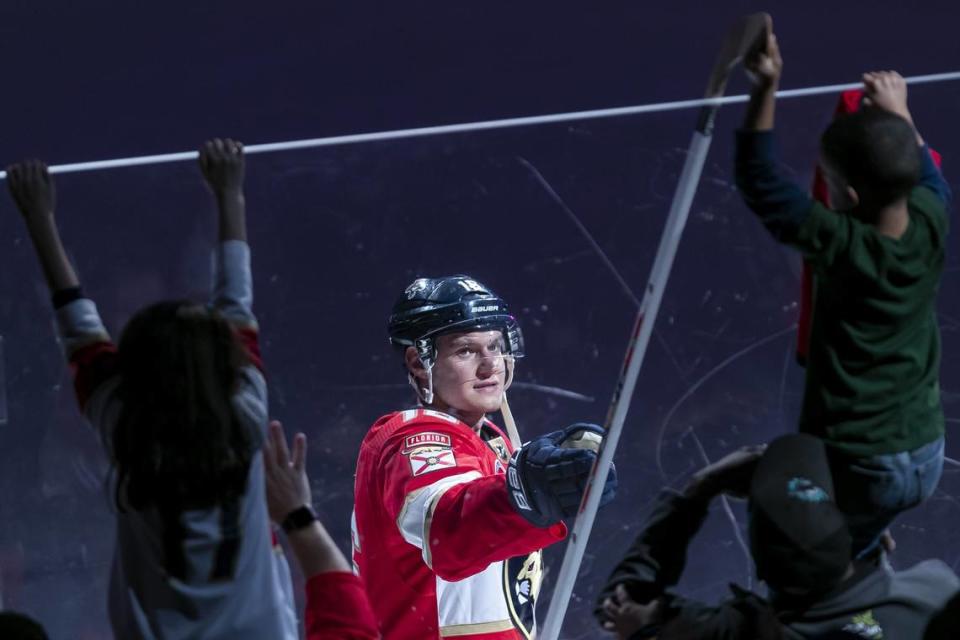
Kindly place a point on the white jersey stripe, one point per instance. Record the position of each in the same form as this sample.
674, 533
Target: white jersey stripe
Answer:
473, 605
414, 518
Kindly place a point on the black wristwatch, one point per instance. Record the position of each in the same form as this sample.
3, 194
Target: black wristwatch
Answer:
299, 518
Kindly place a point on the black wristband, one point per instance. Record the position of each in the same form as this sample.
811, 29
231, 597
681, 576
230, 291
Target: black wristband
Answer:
299, 518
63, 297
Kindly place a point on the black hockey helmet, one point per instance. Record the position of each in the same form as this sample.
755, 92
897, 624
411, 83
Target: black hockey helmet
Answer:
430, 307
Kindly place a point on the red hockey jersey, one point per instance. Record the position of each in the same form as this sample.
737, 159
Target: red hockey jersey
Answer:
440, 549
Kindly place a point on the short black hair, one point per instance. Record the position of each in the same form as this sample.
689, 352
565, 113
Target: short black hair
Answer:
17, 626
876, 152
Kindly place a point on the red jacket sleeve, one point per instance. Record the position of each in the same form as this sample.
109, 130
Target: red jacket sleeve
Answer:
90, 353
443, 488
338, 608
92, 365
474, 524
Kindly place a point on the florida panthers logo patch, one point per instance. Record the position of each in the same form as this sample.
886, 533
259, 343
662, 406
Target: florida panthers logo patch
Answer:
521, 583
500, 448
865, 626
418, 286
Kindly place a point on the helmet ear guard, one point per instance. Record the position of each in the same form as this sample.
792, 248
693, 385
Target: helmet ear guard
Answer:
426, 352
514, 339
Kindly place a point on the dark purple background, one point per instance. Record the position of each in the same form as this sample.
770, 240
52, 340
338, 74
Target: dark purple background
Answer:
337, 233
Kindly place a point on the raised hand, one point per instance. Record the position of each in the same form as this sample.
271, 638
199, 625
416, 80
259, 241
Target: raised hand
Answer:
221, 162
222, 165
764, 65
548, 475
32, 188
886, 90
730, 474
288, 488
625, 617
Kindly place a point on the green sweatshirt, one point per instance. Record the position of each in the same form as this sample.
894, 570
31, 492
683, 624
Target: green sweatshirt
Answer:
873, 368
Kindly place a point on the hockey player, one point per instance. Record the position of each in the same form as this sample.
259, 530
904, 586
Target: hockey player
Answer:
449, 518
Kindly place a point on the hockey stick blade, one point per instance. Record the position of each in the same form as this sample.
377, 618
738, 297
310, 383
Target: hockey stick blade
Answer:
747, 35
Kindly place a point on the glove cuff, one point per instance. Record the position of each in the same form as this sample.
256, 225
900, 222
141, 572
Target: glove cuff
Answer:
519, 497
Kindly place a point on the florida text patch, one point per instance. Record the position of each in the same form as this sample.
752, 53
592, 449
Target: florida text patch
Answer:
427, 439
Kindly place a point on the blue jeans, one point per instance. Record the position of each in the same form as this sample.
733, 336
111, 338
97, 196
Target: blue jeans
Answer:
873, 491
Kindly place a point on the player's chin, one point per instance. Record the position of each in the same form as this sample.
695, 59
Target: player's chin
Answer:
486, 402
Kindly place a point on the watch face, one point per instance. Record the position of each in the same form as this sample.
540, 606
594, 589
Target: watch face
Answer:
298, 519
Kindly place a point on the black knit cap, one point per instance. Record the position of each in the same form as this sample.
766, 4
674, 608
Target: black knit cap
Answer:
944, 624
798, 535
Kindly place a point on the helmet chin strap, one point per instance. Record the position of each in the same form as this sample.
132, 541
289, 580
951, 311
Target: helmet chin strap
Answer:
508, 362
425, 394
426, 354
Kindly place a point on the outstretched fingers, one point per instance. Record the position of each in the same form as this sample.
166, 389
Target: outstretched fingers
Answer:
278, 444
31, 187
299, 452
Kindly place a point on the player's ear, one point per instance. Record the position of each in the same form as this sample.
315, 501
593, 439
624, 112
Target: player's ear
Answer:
414, 366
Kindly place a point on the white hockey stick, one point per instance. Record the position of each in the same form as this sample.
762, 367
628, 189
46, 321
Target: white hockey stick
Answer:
738, 41
510, 423
508, 420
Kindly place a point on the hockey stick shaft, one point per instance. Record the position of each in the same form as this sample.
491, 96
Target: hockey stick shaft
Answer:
510, 423
748, 33
508, 420
636, 350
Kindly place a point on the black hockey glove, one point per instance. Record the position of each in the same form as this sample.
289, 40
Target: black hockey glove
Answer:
547, 476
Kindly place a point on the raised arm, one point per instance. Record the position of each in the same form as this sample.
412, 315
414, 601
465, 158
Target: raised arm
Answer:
288, 491
764, 66
33, 191
86, 343
443, 498
635, 599
337, 606
781, 205
222, 165
888, 90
